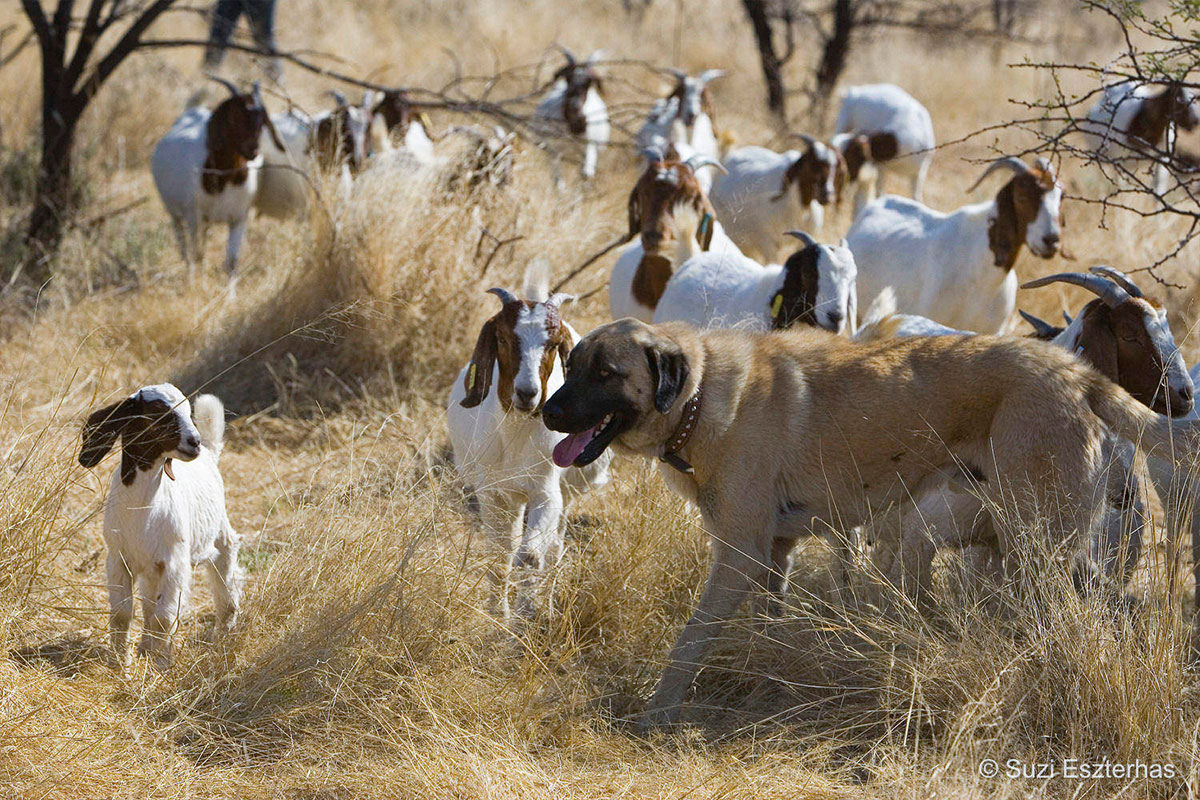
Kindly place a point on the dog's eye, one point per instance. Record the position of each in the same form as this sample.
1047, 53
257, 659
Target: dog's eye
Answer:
604, 374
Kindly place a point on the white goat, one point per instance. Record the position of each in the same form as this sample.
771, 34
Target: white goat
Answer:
674, 220
684, 118
881, 128
815, 286
1139, 118
957, 268
756, 204
575, 102
162, 517
206, 170
501, 447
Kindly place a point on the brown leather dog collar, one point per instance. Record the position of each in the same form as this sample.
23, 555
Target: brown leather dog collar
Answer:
687, 424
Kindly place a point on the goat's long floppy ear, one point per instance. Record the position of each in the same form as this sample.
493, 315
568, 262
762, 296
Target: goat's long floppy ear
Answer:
668, 370
635, 213
565, 344
1097, 343
1002, 231
479, 371
100, 432
841, 174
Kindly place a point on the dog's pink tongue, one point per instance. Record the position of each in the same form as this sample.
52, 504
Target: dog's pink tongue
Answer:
566, 451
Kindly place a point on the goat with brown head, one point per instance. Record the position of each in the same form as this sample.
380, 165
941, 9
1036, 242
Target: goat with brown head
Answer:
691, 95
1028, 211
579, 78
1174, 105
233, 136
819, 174
395, 106
154, 422
520, 344
1127, 338
342, 136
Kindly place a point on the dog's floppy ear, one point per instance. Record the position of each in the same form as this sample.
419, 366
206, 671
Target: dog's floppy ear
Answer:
668, 371
479, 371
101, 431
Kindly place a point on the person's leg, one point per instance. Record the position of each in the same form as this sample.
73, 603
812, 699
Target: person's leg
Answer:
225, 15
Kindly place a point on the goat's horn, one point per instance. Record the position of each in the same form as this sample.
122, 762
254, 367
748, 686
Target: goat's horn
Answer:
802, 236
710, 75
1010, 163
1111, 293
700, 160
804, 137
1067, 317
1115, 275
256, 91
558, 298
567, 53
233, 90
1040, 326
679, 74
653, 153
505, 295
338, 98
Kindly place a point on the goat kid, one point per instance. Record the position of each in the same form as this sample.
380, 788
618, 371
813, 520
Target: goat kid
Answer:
502, 449
815, 286
165, 513
965, 278
756, 199
206, 170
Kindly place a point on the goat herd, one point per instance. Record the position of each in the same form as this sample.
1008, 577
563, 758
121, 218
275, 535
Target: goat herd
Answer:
771, 402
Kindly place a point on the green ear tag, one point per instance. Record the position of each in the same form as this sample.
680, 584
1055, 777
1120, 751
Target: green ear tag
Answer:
776, 305
702, 231
471, 377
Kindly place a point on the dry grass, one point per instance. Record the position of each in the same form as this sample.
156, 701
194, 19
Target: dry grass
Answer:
364, 666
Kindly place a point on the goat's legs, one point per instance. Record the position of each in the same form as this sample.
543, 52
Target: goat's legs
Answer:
918, 180
170, 597
237, 231
226, 579
541, 547
590, 157
181, 239
120, 604
502, 517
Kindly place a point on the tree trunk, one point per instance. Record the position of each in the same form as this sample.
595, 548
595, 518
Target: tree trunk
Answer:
771, 63
55, 196
835, 55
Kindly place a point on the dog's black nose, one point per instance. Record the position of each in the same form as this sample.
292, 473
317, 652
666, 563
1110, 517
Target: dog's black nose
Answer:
552, 411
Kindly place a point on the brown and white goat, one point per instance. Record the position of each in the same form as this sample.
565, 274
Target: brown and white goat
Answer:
575, 102
966, 278
502, 449
397, 127
673, 218
685, 119
766, 193
206, 169
1142, 119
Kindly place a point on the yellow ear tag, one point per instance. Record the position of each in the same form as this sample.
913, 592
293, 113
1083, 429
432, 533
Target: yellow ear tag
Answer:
471, 377
776, 305
424, 120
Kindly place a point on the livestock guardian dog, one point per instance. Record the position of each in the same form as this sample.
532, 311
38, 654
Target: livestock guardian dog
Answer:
783, 435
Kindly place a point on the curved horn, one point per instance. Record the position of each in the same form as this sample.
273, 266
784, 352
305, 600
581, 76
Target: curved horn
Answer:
679, 74
1112, 294
558, 298
571, 61
505, 295
804, 137
700, 160
256, 91
233, 90
1040, 327
1116, 276
710, 75
802, 236
1009, 162
338, 98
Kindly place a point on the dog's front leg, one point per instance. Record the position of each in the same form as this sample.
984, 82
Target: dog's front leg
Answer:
738, 567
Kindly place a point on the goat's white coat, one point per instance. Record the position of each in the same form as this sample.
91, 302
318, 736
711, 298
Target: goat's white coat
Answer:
940, 265
713, 290
747, 199
157, 529
886, 108
176, 166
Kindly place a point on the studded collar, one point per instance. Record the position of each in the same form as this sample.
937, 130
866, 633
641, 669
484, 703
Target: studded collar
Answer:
687, 424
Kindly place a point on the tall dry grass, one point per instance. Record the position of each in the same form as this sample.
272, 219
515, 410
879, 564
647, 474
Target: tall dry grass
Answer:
364, 665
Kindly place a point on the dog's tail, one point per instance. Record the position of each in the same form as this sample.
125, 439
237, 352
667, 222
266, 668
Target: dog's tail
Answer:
209, 414
1137, 423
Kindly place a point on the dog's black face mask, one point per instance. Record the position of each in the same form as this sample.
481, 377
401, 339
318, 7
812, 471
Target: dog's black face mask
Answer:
616, 376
